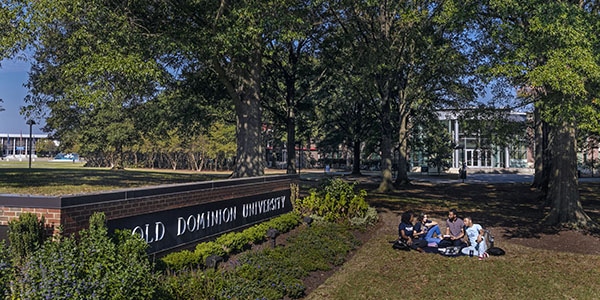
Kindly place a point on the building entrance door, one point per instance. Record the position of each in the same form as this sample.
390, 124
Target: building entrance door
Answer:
478, 158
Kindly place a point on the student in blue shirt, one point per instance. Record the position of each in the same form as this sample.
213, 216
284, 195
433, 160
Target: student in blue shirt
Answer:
428, 230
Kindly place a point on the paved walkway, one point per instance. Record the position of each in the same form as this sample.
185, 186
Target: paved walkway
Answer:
480, 178
448, 178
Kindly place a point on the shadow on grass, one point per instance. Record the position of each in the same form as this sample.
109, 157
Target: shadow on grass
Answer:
513, 206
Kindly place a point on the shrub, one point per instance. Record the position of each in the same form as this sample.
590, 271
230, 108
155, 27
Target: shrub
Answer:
369, 218
277, 273
193, 285
257, 232
92, 266
229, 243
270, 273
335, 202
204, 250
181, 260
25, 234
5, 270
233, 241
283, 223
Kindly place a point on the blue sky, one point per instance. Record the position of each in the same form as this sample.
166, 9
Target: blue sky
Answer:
13, 74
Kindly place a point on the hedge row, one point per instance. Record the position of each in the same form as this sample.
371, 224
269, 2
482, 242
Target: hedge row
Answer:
271, 273
229, 243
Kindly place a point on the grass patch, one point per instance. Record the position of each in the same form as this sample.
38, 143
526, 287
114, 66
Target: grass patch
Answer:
52, 178
377, 271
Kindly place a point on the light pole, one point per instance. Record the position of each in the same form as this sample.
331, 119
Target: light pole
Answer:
594, 149
30, 123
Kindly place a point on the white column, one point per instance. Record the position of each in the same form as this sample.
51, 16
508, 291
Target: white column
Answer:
457, 151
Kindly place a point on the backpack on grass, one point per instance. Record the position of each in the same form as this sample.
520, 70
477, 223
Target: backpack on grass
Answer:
400, 245
489, 238
495, 251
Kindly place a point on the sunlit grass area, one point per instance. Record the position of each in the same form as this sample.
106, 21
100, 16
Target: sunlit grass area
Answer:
63, 178
377, 271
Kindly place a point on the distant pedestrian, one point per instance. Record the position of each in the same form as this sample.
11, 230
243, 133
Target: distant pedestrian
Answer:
462, 172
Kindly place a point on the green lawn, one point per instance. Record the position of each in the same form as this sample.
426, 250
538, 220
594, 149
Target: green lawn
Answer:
377, 271
62, 178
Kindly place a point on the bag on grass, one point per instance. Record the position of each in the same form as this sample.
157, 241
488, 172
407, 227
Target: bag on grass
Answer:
495, 251
400, 245
450, 251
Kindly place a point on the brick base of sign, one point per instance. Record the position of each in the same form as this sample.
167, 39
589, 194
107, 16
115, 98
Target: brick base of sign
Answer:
167, 216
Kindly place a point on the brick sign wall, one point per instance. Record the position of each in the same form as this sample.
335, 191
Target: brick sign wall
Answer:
168, 216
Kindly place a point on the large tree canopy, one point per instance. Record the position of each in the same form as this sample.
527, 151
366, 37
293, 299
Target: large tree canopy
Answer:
408, 55
550, 51
120, 75
92, 67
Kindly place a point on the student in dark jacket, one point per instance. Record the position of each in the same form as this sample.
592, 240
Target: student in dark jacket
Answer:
406, 232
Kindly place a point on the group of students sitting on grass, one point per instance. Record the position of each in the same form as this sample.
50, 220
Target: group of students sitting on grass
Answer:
427, 233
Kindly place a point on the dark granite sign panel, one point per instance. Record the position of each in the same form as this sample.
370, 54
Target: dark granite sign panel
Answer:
173, 228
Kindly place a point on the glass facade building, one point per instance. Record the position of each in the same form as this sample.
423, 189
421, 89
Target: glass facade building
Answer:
477, 150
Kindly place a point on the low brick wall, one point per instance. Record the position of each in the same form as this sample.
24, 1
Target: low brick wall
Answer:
73, 212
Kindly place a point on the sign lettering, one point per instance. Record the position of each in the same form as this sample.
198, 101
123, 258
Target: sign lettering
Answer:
176, 227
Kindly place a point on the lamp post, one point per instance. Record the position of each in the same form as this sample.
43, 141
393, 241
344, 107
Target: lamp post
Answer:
30, 123
594, 149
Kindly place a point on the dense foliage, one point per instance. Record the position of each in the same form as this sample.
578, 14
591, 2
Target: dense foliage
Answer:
548, 51
141, 83
26, 234
270, 273
229, 243
90, 266
335, 201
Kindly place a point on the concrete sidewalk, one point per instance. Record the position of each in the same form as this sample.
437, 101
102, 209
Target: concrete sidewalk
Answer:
489, 177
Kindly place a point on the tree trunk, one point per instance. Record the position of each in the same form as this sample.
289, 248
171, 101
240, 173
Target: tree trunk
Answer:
250, 158
563, 189
291, 141
356, 158
386, 184
538, 149
542, 154
244, 88
402, 177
